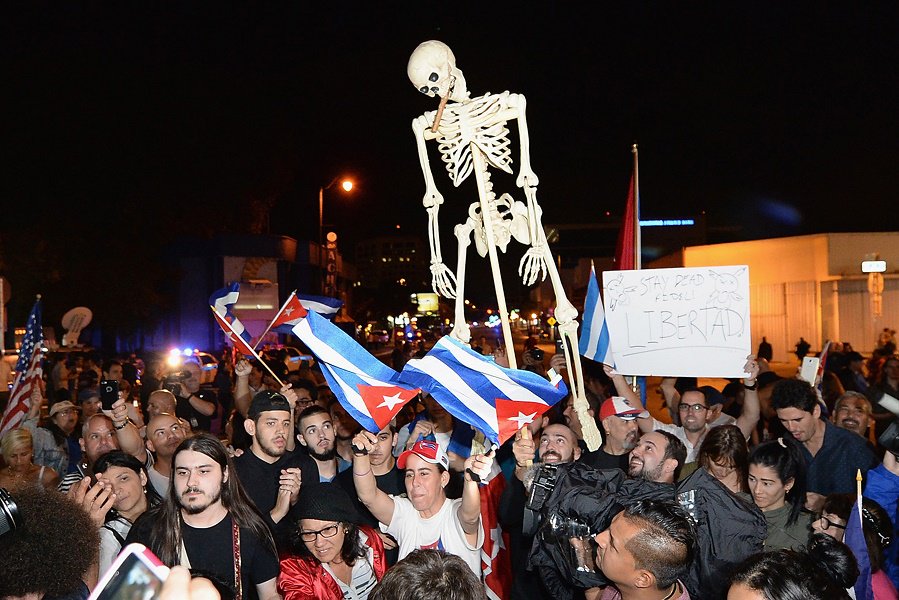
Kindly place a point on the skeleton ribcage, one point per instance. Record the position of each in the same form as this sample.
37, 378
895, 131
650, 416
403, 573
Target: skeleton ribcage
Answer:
478, 122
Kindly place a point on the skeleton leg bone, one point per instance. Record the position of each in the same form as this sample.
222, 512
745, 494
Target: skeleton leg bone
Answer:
460, 330
566, 315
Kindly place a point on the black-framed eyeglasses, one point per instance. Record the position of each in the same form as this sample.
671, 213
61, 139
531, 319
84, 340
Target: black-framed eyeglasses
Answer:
328, 532
828, 523
694, 407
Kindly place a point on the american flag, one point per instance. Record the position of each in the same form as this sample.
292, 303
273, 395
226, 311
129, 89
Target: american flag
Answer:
28, 372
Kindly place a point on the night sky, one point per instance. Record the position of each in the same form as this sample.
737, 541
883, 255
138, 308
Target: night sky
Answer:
144, 120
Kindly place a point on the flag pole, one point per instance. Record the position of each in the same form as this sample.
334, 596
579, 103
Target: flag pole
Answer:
278, 314
638, 254
221, 319
638, 264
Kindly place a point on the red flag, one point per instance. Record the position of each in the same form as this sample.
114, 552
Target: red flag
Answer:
385, 401
289, 315
495, 558
625, 252
238, 342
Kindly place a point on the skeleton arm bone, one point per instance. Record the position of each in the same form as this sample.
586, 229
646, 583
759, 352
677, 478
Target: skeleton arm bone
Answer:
527, 179
442, 279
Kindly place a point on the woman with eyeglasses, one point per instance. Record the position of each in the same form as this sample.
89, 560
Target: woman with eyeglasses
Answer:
878, 530
777, 484
332, 556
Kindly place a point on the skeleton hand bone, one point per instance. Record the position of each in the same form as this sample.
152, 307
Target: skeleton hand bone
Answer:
533, 266
443, 281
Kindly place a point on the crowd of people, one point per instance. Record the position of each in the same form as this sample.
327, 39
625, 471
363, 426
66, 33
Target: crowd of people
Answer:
263, 486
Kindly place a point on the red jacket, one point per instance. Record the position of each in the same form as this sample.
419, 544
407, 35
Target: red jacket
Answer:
304, 577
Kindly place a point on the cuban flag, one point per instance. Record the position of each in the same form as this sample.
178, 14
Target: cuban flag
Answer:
28, 372
326, 307
855, 539
239, 343
291, 313
594, 342
368, 389
222, 302
474, 389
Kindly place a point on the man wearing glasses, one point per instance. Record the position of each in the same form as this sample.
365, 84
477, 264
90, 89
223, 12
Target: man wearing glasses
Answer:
696, 415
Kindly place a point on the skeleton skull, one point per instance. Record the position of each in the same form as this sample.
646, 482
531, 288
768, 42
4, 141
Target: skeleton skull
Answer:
432, 70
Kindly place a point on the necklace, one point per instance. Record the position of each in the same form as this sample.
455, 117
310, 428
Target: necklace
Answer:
671, 593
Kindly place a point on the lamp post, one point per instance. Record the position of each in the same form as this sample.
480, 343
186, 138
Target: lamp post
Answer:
347, 185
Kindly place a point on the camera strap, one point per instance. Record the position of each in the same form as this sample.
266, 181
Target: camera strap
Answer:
235, 542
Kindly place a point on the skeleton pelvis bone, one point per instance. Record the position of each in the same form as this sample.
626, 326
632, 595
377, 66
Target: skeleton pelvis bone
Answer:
509, 218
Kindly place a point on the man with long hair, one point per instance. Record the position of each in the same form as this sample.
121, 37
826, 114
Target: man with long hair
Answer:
209, 524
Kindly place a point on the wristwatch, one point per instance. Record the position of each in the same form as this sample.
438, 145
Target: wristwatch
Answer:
752, 387
123, 425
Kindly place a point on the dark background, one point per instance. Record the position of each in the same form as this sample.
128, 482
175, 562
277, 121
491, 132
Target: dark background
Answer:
127, 124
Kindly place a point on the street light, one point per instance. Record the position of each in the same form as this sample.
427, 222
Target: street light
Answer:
347, 185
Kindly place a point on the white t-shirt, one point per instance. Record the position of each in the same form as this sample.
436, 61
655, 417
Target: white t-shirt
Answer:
159, 482
443, 531
679, 432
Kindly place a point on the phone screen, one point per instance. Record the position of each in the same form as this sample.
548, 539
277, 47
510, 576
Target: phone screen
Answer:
133, 579
109, 393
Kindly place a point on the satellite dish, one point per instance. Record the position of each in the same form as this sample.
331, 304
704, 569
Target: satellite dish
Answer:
77, 319
73, 322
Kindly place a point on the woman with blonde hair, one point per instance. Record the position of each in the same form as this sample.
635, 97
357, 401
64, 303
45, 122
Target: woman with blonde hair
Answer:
17, 448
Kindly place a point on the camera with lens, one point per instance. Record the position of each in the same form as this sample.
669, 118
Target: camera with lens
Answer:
889, 439
543, 485
172, 382
536, 354
10, 518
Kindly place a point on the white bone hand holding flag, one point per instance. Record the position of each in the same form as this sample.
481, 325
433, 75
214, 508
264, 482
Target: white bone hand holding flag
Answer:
474, 389
368, 389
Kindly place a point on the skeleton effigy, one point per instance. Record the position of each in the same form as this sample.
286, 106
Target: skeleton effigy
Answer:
472, 136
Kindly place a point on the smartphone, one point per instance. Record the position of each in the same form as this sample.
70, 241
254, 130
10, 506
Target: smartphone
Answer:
809, 370
109, 393
135, 573
560, 346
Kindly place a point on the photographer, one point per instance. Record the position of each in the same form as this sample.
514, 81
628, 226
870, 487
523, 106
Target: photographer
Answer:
196, 406
519, 507
883, 487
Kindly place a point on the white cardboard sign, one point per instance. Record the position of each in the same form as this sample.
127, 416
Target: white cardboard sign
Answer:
688, 322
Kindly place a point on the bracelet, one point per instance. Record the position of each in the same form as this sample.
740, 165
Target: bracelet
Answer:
361, 474
753, 387
123, 425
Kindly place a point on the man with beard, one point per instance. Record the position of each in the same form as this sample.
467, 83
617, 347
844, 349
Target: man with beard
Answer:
658, 456
832, 454
618, 418
558, 445
271, 471
317, 437
388, 478
852, 411
209, 524
697, 415
165, 432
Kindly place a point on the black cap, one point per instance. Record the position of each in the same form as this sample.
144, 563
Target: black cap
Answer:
327, 502
265, 401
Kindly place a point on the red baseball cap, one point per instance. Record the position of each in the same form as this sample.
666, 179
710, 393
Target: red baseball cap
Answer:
618, 406
427, 450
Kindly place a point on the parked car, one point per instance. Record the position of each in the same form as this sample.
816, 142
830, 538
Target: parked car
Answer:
378, 336
294, 359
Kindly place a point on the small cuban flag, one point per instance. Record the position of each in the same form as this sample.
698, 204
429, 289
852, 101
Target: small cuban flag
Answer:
594, 342
368, 389
474, 389
222, 302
